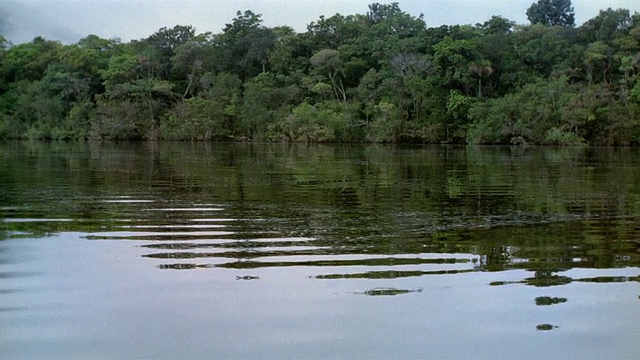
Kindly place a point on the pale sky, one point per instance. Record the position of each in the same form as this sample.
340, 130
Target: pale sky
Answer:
70, 20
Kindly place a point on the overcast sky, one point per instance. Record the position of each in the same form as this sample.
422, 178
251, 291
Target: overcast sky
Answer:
70, 20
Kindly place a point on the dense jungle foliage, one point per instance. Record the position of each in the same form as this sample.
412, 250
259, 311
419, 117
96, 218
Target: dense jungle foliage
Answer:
382, 76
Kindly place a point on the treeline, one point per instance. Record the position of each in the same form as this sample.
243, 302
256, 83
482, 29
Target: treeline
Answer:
382, 76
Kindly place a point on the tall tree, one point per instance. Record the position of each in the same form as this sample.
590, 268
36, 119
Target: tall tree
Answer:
607, 26
328, 62
480, 69
497, 25
552, 13
161, 46
246, 44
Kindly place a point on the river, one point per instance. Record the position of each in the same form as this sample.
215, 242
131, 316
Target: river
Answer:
198, 250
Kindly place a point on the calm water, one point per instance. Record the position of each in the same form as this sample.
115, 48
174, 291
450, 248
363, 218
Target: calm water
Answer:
179, 250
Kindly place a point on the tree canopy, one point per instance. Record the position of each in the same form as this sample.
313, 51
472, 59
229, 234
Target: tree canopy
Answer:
552, 13
381, 76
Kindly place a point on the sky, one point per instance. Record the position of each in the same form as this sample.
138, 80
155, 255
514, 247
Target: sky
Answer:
70, 20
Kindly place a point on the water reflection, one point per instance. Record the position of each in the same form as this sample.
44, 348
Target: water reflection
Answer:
261, 206
245, 237
390, 291
547, 300
555, 280
247, 277
546, 327
391, 274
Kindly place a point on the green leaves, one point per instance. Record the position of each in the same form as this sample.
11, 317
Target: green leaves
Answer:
552, 13
382, 76
245, 45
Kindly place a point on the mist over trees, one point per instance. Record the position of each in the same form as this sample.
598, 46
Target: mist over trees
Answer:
381, 76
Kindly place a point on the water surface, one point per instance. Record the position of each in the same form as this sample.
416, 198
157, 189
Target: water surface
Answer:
189, 250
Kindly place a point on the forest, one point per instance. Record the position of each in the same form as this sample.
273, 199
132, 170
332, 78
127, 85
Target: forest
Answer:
383, 76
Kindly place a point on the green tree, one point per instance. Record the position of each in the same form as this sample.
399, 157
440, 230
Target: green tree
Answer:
481, 69
328, 63
290, 53
598, 57
28, 61
212, 115
161, 46
245, 45
607, 26
542, 50
191, 60
267, 99
377, 76
552, 13
497, 25
135, 79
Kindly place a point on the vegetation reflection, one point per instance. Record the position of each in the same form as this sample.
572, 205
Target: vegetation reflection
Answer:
343, 212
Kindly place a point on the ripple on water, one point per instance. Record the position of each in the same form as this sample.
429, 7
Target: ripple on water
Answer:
185, 209
173, 226
159, 236
34, 220
326, 240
